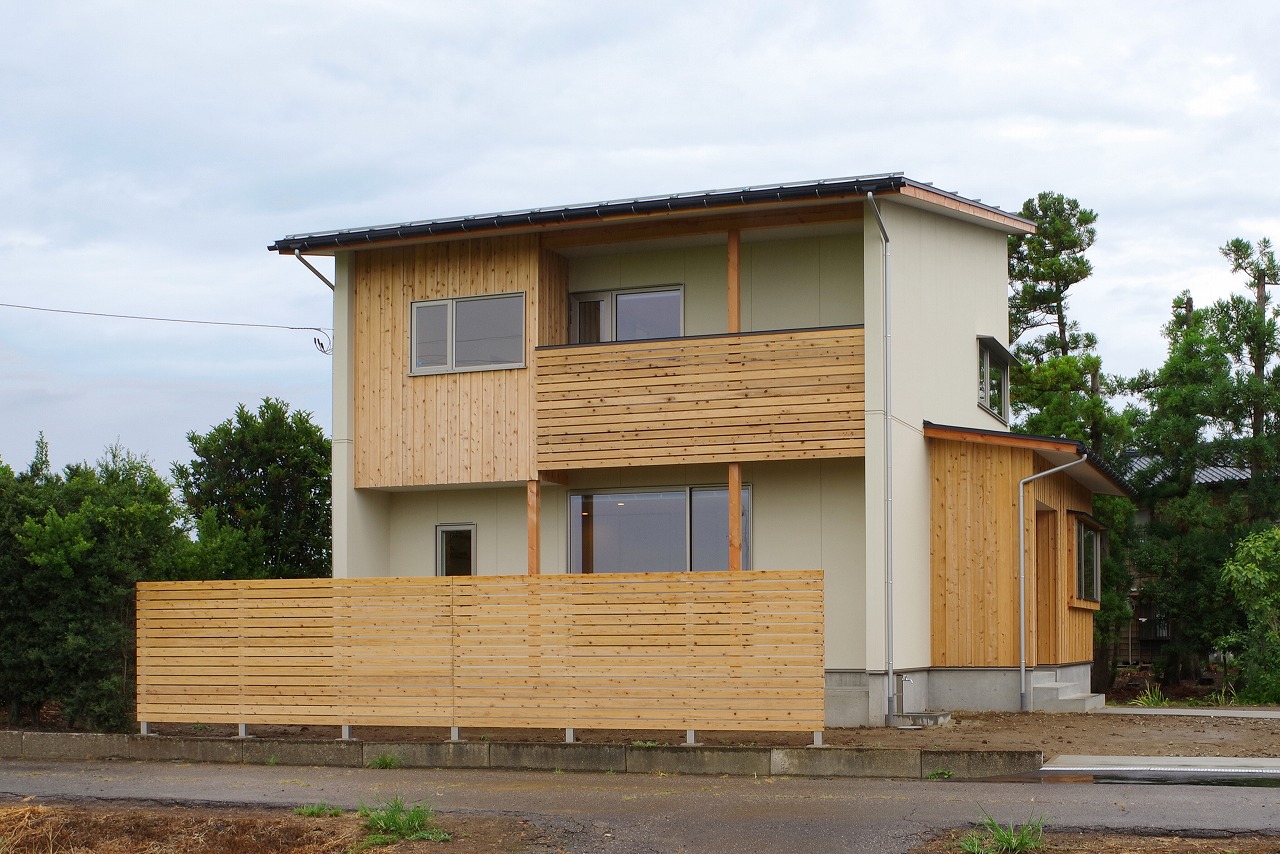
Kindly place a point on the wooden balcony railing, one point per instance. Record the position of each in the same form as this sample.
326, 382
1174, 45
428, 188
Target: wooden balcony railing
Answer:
789, 395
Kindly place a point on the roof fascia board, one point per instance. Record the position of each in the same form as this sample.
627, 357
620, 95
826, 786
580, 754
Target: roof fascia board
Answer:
965, 209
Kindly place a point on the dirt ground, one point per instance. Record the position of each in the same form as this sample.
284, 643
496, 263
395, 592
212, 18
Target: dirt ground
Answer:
1099, 843
1054, 734
28, 829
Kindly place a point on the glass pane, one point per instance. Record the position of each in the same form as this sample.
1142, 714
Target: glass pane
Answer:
456, 551
710, 529
627, 532
588, 317
1086, 562
649, 314
430, 335
982, 377
488, 332
997, 388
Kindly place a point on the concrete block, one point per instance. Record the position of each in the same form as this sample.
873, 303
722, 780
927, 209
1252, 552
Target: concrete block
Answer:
464, 754
74, 745
844, 762
160, 748
699, 760
975, 764
342, 754
564, 757
10, 744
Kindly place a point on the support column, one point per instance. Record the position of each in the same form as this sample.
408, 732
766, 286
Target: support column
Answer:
735, 516
533, 512
735, 281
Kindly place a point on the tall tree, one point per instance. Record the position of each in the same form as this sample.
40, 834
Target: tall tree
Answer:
1043, 267
258, 492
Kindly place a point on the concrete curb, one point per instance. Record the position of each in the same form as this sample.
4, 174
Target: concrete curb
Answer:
906, 763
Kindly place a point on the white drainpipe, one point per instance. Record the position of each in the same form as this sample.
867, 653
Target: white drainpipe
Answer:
891, 688
1022, 579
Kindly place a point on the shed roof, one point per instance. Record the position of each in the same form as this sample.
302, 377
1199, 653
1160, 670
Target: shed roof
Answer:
707, 201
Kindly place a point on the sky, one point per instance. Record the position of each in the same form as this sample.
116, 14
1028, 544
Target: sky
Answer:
149, 153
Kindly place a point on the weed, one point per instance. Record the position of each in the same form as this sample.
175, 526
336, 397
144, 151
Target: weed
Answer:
1151, 696
386, 761
318, 811
393, 822
199, 728
1226, 696
994, 838
940, 774
273, 760
646, 744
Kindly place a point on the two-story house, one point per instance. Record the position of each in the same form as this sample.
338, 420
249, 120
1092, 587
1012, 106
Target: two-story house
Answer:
802, 376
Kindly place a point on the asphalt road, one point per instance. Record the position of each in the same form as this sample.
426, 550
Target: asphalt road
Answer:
630, 813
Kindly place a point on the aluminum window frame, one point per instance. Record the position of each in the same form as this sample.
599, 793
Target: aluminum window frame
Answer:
451, 333
609, 320
993, 359
452, 527
748, 533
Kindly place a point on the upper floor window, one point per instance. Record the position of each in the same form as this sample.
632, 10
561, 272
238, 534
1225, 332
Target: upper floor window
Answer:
630, 315
466, 334
993, 377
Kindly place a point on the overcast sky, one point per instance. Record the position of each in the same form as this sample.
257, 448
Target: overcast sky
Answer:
150, 151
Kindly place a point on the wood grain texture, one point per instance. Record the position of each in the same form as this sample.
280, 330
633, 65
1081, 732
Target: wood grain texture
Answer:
787, 395
740, 650
974, 558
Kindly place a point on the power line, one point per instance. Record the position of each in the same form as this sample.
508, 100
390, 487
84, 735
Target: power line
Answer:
323, 347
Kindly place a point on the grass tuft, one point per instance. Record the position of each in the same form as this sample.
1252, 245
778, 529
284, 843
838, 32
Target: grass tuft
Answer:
318, 811
995, 838
1151, 696
386, 761
394, 822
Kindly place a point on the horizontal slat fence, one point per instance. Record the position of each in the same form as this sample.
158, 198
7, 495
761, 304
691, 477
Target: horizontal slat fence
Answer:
787, 395
726, 651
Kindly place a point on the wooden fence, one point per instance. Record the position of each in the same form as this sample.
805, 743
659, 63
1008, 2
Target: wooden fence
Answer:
710, 650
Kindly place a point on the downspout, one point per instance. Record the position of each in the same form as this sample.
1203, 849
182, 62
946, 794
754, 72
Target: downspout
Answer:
891, 691
297, 253
1022, 579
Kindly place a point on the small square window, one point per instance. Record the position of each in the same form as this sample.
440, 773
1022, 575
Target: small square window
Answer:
455, 550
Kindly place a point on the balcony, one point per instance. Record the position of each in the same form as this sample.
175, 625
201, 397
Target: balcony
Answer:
781, 395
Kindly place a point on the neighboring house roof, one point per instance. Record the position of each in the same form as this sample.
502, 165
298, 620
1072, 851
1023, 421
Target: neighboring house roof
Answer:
1207, 474
1095, 474
537, 219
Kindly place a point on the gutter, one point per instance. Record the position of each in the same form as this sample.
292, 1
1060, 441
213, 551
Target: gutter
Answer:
1022, 576
891, 689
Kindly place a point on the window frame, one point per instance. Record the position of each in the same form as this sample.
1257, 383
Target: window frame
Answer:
451, 527
1085, 523
687, 490
994, 357
609, 319
450, 366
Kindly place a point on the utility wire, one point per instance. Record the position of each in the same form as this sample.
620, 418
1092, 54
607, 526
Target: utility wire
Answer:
326, 348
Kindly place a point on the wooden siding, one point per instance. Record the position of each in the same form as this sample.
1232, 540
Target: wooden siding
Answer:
739, 650
762, 396
472, 427
974, 559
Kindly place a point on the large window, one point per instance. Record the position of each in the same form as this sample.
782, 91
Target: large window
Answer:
666, 530
993, 377
467, 334
631, 315
1088, 561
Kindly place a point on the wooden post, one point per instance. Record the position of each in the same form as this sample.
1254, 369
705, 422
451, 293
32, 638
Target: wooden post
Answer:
735, 281
533, 512
735, 516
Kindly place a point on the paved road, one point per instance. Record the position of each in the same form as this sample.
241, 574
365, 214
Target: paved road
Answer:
636, 814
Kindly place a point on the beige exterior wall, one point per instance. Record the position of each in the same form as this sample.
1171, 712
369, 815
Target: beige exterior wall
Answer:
786, 284
497, 513
947, 280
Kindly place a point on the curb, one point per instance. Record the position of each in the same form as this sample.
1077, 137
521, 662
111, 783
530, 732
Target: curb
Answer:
909, 763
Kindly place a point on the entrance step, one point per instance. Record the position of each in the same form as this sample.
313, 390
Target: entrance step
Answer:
1064, 697
925, 719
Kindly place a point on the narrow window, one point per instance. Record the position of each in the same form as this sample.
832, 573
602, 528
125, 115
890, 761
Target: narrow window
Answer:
455, 550
1088, 562
993, 377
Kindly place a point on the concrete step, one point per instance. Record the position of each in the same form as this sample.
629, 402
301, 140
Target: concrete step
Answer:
1064, 697
922, 719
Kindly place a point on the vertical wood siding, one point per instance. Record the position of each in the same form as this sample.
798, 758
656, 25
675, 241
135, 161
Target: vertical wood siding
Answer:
762, 396
472, 427
739, 650
974, 559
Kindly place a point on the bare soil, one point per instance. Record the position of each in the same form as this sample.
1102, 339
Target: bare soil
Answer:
1115, 843
27, 829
